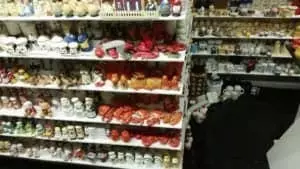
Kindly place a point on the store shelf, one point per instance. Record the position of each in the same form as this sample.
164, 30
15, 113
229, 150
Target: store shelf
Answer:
245, 37
59, 116
98, 140
234, 55
255, 74
90, 56
109, 164
196, 16
98, 18
108, 87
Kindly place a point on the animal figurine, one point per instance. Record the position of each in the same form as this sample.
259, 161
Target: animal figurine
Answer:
66, 107
29, 109
45, 109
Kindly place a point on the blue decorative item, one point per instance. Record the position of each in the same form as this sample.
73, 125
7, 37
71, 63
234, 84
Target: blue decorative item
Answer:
165, 8
26, 8
69, 38
84, 43
194, 48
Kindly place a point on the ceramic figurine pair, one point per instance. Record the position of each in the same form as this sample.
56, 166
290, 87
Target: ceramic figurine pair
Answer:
78, 108
166, 8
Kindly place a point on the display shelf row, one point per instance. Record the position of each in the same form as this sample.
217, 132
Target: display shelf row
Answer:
253, 73
90, 56
98, 18
97, 120
104, 141
234, 55
196, 16
245, 37
108, 164
108, 87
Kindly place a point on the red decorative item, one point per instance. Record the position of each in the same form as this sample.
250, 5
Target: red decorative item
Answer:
163, 140
125, 136
114, 135
148, 140
99, 52
296, 3
139, 116
113, 53
296, 43
126, 116
154, 118
107, 117
174, 142
103, 109
78, 153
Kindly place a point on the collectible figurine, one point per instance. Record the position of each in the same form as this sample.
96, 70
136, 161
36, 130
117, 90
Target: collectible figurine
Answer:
58, 153
57, 8
78, 109
165, 8
157, 160
138, 159
80, 9
13, 150
48, 131
97, 77
12, 8
115, 79
148, 159
123, 82
19, 128
36, 152
125, 136
90, 108
29, 152
21, 48
102, 155
84, 43
57, 132
71, 132
45, 109
69, 37
91, 155
112, 156
39, 130
211, 11
22, 75
93, 7
65, 134
66, 107
151, 5
29, 109
129, 158
68, 153
63, 48
79, 132
14, 103
26, 8
8, 128
20, 148
55, 105
29, 129
176, 8
277, 48
85, 77
73, 47
67, 8
166, 161
52, 151
121, 157
174, 162
5, 102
